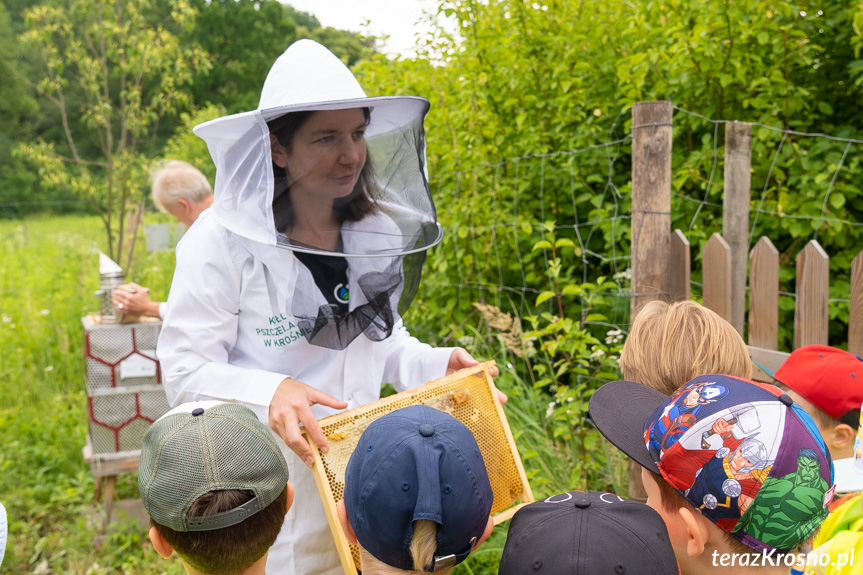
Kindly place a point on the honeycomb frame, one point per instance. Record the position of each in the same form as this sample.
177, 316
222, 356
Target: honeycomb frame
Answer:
469, 396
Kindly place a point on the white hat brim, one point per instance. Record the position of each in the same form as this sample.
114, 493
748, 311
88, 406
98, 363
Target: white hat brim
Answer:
389, 113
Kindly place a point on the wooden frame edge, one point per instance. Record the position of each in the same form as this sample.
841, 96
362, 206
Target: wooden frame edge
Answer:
342, 546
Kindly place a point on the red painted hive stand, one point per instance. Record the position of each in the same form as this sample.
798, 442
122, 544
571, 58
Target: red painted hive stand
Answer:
124, 396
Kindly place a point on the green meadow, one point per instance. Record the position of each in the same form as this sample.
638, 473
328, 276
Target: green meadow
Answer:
48, 283
49, 276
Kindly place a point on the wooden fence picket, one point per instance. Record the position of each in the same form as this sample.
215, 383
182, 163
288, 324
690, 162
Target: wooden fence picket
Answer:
764, 295
735, 213
651, 201
855, 311
679, 267
716, 276
813, 283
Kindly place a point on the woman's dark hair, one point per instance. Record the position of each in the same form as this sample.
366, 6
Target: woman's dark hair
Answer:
351, 208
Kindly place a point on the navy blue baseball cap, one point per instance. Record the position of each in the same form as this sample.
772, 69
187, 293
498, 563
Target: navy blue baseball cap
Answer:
417, 463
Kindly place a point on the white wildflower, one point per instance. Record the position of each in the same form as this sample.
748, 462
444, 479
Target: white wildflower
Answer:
597, 353
613, 336
49, 368
44, 312
624, 275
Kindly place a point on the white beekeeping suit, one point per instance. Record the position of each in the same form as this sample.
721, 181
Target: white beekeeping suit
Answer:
245, 312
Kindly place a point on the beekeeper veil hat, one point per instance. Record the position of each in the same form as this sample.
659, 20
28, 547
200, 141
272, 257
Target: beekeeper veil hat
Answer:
384, 250
308, 77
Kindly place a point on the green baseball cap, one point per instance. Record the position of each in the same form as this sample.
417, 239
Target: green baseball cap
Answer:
208, 446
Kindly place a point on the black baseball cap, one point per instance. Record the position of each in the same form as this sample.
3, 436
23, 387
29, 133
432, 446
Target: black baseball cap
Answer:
587, 533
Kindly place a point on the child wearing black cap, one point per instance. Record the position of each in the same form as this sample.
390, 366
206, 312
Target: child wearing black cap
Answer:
587, 533
215, 486
417, 494
741, 479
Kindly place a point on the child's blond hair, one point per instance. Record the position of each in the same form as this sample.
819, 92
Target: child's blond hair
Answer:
422, 548
670, 344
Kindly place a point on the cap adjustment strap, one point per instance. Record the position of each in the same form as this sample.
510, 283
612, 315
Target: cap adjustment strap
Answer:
446, 561
225, 518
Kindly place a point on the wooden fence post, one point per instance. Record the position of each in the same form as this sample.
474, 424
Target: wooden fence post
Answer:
855, 311
651, 201
651, 219
813, 282
735, 213
764, 295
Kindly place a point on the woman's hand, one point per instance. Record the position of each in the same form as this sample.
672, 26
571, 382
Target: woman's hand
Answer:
291, 406
461, 359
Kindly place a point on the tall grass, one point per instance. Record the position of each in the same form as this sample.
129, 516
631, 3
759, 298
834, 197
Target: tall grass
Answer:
49, 276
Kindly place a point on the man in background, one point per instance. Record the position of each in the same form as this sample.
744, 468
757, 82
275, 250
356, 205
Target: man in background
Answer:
183, 191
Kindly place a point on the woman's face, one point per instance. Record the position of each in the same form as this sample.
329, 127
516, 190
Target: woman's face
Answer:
326, 156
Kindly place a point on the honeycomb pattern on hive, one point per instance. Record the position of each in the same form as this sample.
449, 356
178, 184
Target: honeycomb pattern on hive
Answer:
111, 345
153, 404
466, 395
106, 347
118, 422
99, 375
121, 409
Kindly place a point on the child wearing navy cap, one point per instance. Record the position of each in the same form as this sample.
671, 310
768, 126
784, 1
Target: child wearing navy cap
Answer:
417, 494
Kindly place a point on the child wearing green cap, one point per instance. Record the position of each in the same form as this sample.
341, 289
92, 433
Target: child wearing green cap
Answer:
215, 485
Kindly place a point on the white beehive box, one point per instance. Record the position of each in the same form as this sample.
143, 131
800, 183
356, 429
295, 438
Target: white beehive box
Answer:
124, 383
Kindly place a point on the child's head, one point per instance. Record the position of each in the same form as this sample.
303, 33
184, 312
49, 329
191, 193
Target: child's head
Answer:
417, 494
739, 469
689, 531
215, 485
828, 383
669, 344
849, 471
587, 532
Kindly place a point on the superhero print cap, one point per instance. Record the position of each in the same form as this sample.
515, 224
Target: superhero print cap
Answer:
742, 453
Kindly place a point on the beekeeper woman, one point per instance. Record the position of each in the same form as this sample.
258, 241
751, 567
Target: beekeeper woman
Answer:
287, 295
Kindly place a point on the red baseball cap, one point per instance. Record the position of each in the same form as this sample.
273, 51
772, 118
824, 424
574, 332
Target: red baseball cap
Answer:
829, 378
